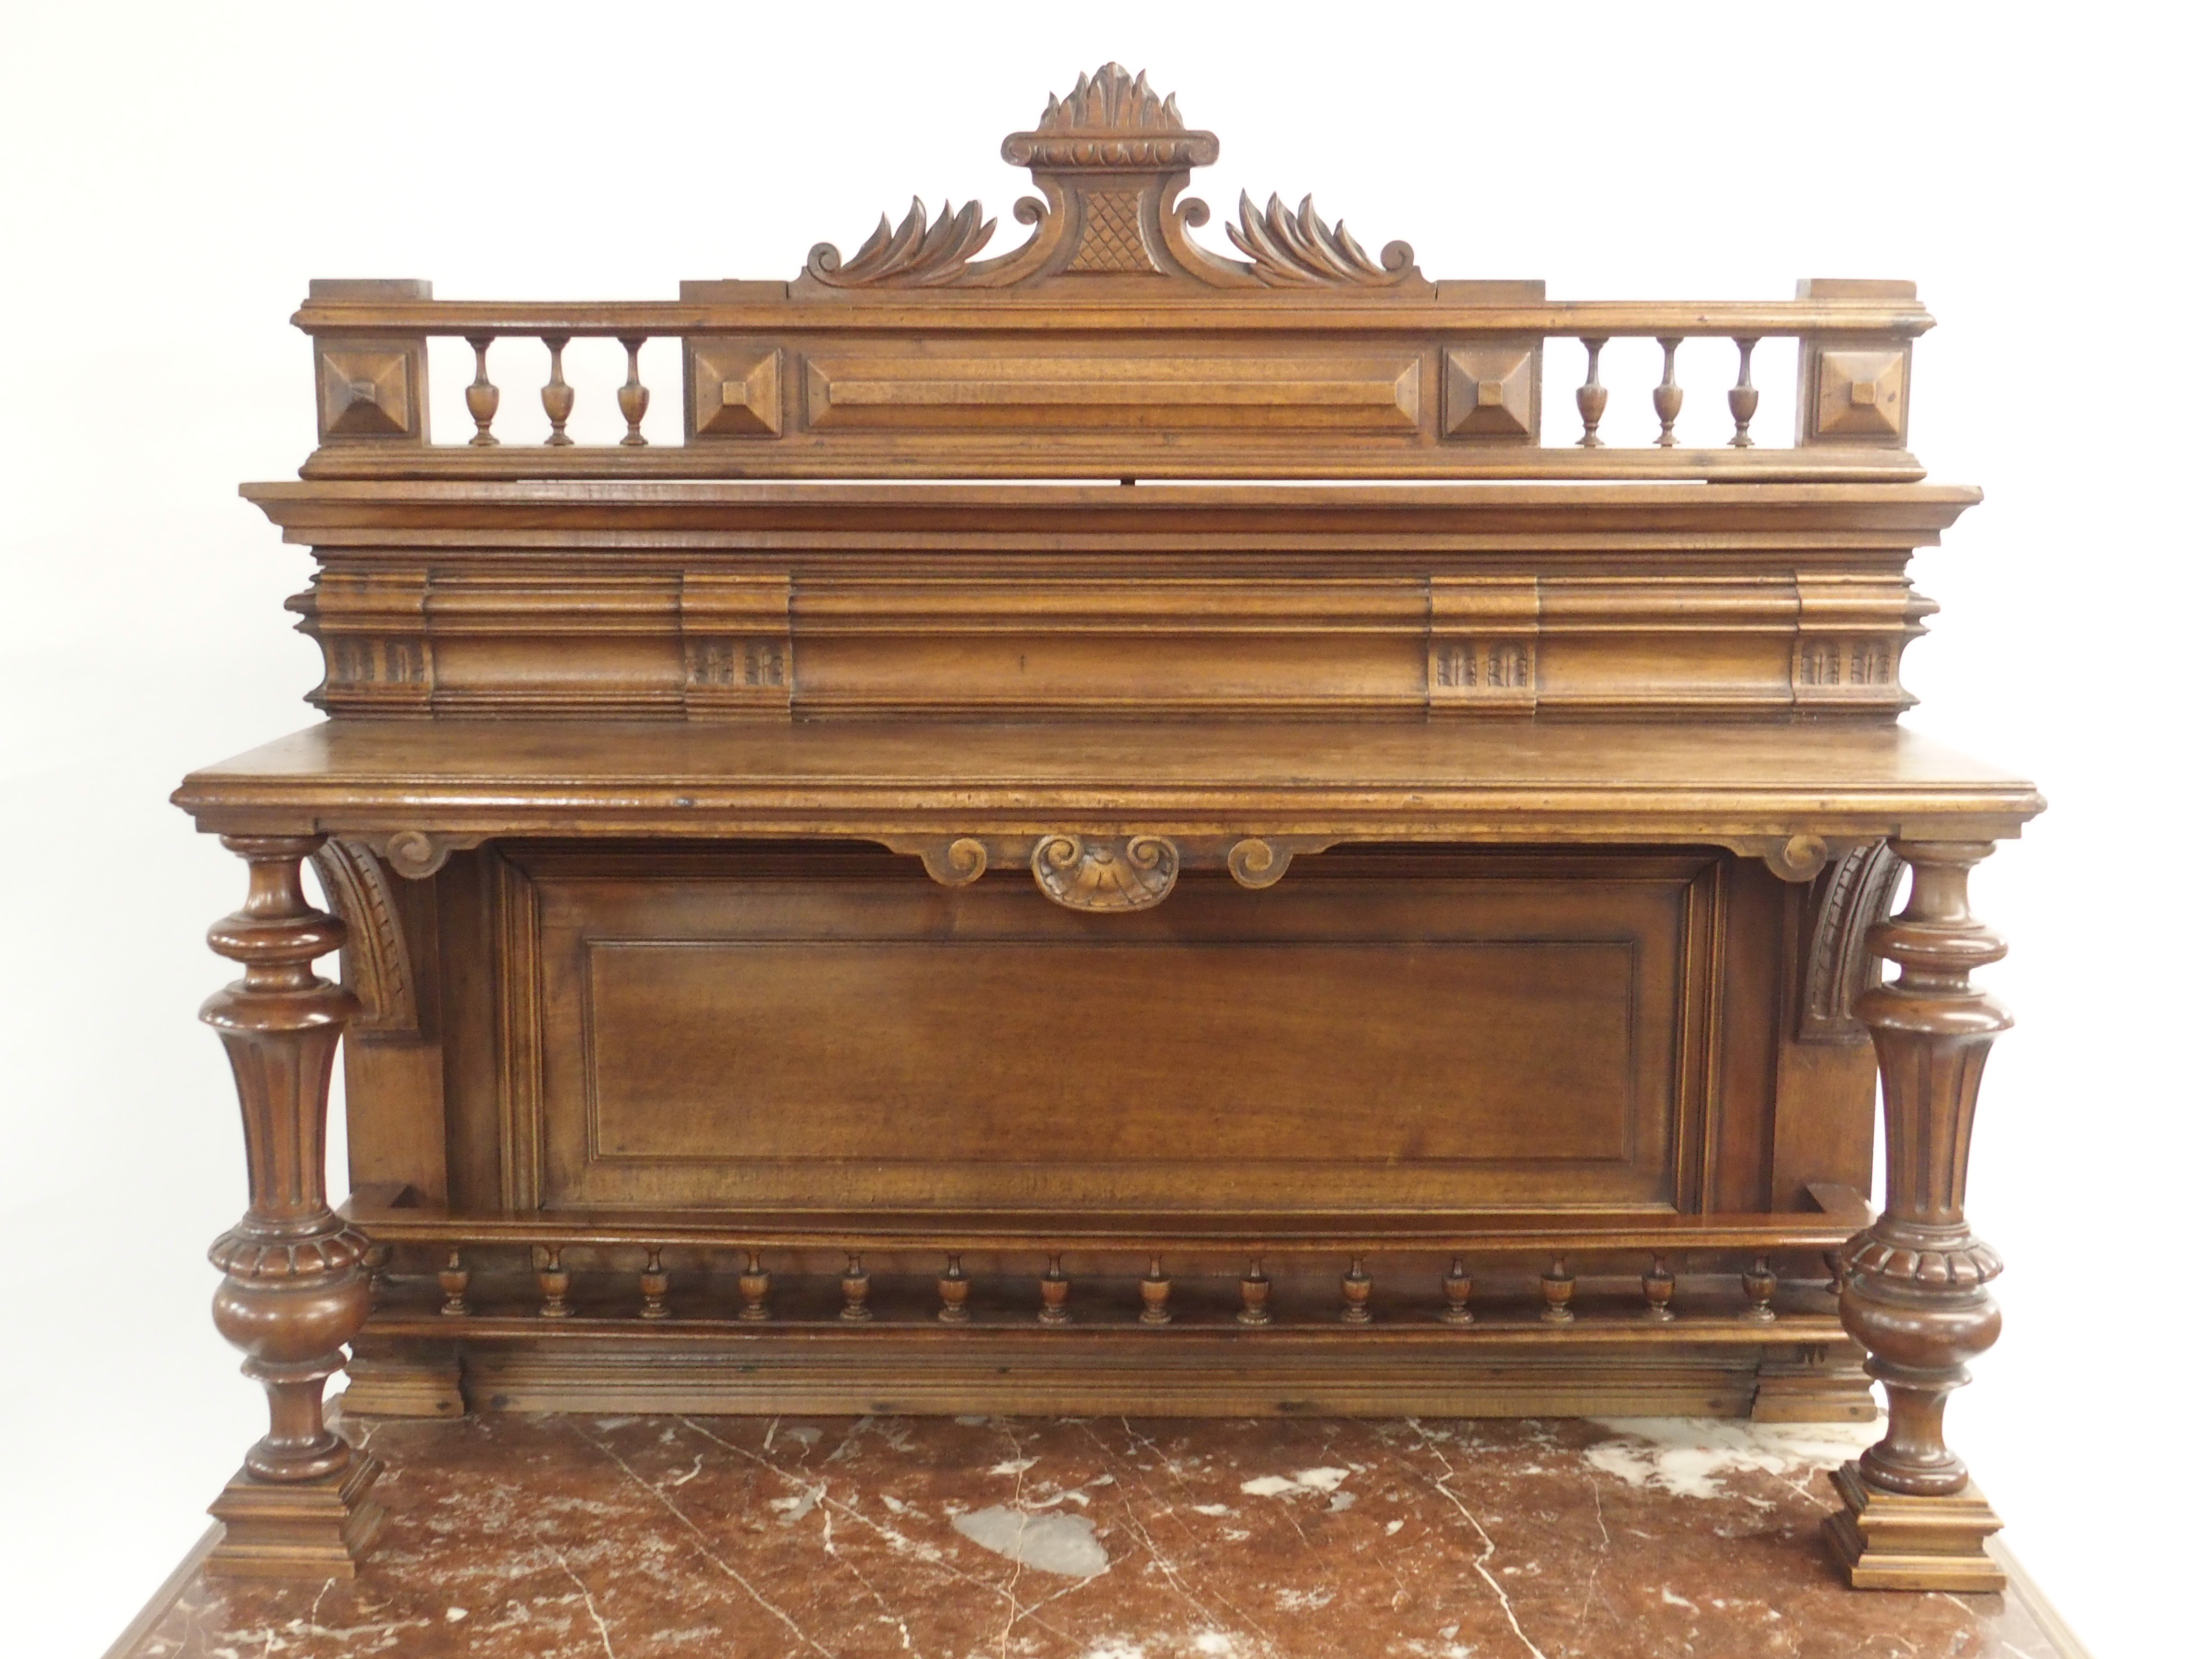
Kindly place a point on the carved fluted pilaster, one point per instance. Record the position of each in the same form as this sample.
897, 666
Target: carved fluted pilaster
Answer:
1915, 1284
293, 1290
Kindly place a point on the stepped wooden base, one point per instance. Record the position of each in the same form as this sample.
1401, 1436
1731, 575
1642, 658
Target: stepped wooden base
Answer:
296, 1530
1884, 1541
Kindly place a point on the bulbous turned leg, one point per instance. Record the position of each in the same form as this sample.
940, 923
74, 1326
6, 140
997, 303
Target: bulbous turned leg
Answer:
294, 1289
1915, 1285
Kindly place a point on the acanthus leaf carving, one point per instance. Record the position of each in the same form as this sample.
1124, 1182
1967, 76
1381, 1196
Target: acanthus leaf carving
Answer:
919, 254
1105, 872
1298, 250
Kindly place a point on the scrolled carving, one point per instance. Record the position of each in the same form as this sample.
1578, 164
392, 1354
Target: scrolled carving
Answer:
1255, 862
417, 853
1298, 250
958, 862
1099, 873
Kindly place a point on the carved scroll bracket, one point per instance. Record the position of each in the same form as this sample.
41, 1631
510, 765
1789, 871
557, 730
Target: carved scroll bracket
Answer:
1798, 858
377, 970
417, 853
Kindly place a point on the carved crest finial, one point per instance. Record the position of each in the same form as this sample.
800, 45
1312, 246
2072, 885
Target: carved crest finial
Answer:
1110, 102
1110, 158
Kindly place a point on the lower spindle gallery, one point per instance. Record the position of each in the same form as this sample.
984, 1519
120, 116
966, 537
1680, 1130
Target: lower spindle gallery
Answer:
1549, 1296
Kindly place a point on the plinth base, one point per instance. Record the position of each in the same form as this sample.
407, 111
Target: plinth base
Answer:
1886, 1540
295, 1528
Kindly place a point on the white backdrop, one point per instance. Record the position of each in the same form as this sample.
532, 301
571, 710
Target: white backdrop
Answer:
172, 180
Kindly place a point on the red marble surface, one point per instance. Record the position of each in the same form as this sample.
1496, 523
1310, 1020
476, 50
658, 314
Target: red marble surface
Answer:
546, 1537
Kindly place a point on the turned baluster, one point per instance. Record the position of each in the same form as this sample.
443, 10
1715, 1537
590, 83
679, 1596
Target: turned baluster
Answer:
653, 1287
482, 396
293, 1290
1154, 1288
1915, 1283
1835, 1260
752, 1289
952, 1287
454, 1280
1458, 1287
1358, 1287
1760, 1285
1666, 397
1254, 1288
854, 1283
1743, 397
632, 397
558, 396
1052, 1290
1659, 1292
1589, 397
1558, 1287
553, 1281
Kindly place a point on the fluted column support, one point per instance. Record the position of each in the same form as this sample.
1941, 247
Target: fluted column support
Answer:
1915, 1284
294, 1289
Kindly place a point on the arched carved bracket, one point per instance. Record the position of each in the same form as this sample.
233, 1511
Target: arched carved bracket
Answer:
376, 968
1858, 890
1110, 158
418, 853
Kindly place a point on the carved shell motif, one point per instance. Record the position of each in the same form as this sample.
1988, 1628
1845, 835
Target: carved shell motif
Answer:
1088, 872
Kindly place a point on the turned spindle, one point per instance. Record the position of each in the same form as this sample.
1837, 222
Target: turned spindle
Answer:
558, 396
1458, 1287
1358, 1287
1589, 397
952, 1287
854, 1283
1659, 1292
553, 1281
1835, 1261
1558, 1287
1743, 397
1254, 1288
653, 1287
1154, 1288
1667, 396
294, 1290
752, 1289
632, 397
454, 1280
1052, 1290
482, 396
1760, 1283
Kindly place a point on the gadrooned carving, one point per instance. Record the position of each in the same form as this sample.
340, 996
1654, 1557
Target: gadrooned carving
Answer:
1103, 873
1110, 158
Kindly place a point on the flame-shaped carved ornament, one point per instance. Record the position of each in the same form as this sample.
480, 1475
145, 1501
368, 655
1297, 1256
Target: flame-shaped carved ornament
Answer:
1110, 158
1100, 872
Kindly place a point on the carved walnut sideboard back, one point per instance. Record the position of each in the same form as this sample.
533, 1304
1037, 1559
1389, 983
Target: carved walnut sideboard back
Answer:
1111, 831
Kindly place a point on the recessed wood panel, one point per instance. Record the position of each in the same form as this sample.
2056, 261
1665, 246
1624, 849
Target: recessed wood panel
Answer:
1385, 1032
